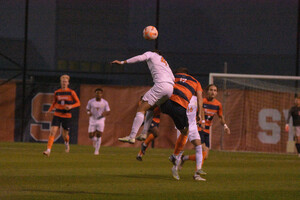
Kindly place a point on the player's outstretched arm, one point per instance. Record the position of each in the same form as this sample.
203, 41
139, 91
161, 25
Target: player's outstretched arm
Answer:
118, 62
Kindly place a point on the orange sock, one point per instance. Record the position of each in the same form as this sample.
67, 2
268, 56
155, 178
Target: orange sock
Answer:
140, 153
181, 140
192, 157
67, 138
50, 142
149, 139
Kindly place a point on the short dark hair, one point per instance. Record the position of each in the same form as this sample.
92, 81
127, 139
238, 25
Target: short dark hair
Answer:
157, 51
99, 89
207, 88
181, 70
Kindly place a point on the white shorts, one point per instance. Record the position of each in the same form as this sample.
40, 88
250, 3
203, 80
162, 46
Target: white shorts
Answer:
98, 125
297, 131
158, 94
193, 133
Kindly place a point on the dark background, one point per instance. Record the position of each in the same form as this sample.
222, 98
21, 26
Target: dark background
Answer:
81, 37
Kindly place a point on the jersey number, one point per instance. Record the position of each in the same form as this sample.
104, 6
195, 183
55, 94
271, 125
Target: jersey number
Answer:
164, 61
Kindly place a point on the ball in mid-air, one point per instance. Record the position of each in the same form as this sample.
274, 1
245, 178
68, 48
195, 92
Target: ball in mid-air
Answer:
150, 33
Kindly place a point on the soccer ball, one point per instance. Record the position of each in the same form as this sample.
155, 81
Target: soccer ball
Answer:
150, 33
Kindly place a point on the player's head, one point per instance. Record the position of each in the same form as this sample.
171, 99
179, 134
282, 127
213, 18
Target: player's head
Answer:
64, 81
297, 100
157, 51
98, 93
211, 91
181, 70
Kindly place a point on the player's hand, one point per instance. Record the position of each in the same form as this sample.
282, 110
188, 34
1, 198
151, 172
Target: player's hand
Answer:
287, 128
202, 122
117, 62
227, 130
47, 113
68, 107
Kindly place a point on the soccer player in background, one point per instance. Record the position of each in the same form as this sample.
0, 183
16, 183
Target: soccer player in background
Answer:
184, 88
97, 109
162, 89
65, 99
211, 106
294, 112
151, 135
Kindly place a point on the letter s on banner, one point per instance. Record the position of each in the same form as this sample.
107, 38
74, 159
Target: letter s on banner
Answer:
38, 114
274, 138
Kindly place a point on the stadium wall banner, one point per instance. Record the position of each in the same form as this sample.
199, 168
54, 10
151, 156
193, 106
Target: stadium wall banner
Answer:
256, 123
7, 114
36, 123
256, 120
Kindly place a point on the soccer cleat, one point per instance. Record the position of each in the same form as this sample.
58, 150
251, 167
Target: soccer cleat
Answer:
46, 153
96, 153
200, 172
181, 162
127, 139
141, 137
67, 147
175, 173
172, 159
143, 148
139, 158
198, 178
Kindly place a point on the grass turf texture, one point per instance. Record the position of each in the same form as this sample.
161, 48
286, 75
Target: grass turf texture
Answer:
115, 174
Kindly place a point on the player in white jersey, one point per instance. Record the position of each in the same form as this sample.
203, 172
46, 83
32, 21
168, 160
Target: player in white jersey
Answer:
162, 89
194, 138
97, 108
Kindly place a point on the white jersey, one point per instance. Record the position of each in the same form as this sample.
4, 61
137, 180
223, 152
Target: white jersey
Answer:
158, 66
97, 108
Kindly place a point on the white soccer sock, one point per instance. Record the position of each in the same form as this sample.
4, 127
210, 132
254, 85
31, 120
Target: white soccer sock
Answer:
199, 156
137, 122
98, 144
148, 121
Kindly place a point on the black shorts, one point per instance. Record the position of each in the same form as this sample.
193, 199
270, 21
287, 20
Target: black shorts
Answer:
176, 112
204, 138
64, 122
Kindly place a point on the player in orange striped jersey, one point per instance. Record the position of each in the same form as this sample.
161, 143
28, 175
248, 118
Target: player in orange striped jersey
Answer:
152, 133
211, 107
65, 99
184, 88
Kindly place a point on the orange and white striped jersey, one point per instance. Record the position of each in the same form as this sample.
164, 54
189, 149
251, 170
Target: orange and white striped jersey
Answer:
185, 87
210, 109
62, 98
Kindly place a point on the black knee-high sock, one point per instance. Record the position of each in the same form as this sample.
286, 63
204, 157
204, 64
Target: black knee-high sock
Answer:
298, 147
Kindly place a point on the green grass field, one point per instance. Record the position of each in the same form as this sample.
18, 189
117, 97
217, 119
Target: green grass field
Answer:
115, 174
